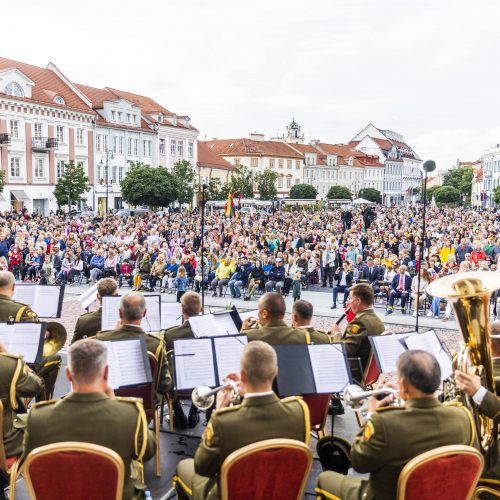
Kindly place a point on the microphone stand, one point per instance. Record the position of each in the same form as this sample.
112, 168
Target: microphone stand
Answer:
203, 188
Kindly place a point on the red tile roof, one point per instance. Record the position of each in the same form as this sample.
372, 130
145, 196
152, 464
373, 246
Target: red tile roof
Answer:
97, 96
249, 147
47, 85
209, 159
385, 144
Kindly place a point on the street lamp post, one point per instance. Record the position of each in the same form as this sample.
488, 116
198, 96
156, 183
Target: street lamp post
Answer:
108, 156
203, 201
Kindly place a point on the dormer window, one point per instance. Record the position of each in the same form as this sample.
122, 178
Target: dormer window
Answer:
160, 117
59, 100
14, 89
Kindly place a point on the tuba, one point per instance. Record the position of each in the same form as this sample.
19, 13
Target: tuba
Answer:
469, 294
54, 342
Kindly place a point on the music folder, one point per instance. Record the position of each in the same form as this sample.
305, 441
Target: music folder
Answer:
45, 300
214, 325
88, 297
312, 369
24, 339
150, 323
128, 363
171, 314
387, 349
206, 361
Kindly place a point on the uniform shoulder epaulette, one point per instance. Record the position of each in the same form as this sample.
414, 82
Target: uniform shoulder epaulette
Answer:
44, 403
290, 399
9, 355
157, 336
128, 400
227, 409
390, 407
457, 404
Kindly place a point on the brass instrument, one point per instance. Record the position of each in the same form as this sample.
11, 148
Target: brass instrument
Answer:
354, 395
203, 397
55, 341
469, 293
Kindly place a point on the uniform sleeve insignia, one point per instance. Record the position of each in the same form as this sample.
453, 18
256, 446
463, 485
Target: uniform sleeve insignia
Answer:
31, 314
354, 329
208, 434
369, 431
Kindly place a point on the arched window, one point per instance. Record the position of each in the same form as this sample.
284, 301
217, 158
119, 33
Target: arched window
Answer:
13, 88
59, 100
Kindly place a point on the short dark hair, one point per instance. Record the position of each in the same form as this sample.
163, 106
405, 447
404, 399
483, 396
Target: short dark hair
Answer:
303, 309
274, 304
364, 292
107, 287
421, 370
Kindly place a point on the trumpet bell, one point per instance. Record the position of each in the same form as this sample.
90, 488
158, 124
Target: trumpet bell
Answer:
55, 342
203, 397
353, 396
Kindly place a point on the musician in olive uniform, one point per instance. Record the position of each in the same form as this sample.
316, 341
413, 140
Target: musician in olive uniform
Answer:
489, 405
116, 423
261, 415
191, 306
132, 310
12, 311
393, 435
270, 327
302, 314
365, 324
89, 324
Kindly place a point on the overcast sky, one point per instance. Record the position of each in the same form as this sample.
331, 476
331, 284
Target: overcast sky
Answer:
427, 69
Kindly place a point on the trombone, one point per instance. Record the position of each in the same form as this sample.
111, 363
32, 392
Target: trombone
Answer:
203, 397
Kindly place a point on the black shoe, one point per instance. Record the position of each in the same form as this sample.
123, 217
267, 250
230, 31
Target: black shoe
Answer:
323, 285
334, 306
214, 294
403, 311
180, 420
246, 298
336, 407
193, 420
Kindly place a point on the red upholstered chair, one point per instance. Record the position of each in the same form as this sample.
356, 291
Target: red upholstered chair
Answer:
80, 471
8, 465
274, 468
318, 411
371, 373
447, 473
147, 392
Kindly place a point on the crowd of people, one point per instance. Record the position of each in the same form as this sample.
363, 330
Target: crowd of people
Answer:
259, 252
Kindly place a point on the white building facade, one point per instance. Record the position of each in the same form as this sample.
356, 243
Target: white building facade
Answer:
490, 162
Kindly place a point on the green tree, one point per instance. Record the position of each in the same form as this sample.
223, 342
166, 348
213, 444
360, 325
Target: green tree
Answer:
370, 194
447, 194
460, 178
215, 190
266, 184
184, 175
2, 180
496, 195
339, 193
302, 192
149, 186
72, 185
242, 181
430, 192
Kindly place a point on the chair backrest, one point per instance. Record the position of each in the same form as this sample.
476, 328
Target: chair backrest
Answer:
318, 409
274, 468
146, 392
3, 458
447, 473
74, 470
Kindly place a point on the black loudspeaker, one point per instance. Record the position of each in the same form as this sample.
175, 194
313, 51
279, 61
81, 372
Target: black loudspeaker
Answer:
429, 166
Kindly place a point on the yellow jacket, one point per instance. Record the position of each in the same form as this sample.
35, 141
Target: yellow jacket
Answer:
445, 252
224, 271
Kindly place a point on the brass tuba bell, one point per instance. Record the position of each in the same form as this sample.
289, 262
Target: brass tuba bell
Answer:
56, 340
469, 294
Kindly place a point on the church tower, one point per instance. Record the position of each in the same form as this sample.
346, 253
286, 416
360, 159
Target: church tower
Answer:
293, 134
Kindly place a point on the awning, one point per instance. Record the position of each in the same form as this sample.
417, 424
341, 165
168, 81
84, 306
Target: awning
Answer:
20, 195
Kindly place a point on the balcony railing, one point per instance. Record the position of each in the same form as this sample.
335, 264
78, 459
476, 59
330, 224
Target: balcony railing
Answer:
44, 143
4, 139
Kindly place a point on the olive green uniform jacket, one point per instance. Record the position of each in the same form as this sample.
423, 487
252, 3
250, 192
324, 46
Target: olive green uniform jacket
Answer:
119, 424
314, 336
390, 438
88, 325
176, 333
15, 384
256, 419
277, 332
153, 345
490, 406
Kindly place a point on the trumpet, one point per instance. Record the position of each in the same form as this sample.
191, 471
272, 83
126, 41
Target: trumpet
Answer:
203, 397
354, 395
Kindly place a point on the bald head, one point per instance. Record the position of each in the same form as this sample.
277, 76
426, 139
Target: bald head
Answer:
271, 307
7, 283
420, 370
132, 308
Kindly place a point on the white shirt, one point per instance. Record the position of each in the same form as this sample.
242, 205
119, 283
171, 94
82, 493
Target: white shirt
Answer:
479, 396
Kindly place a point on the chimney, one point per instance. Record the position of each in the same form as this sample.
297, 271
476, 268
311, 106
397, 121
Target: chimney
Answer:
314, 142
255, 136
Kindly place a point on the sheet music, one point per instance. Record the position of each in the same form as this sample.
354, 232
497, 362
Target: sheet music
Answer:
151, 322
225, 323
25, 293
25, 340
228, 353
6, 331
248, 314
171, 314
126, 363
206, 326
47, 301
194, 363
429, 342
88, 297
110, 312
388, 348
329, 367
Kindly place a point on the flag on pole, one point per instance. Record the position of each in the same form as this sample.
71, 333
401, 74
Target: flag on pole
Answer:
230, 205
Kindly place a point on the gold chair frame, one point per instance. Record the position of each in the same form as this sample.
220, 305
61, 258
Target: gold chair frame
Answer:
428, 456
267, 444
12, 472
90, 448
